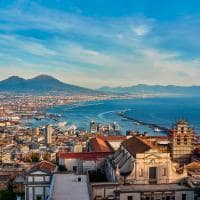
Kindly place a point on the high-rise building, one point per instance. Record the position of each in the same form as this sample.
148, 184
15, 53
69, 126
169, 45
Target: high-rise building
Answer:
48, 134
182, 141
93, 127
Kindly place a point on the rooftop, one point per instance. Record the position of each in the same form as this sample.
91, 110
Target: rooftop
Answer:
153, 188
70, 187
114, 137
4, 178
194, 166
43, 166
99, 144
83, 155
135, 145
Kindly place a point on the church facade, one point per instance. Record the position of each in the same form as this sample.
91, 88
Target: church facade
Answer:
137, 162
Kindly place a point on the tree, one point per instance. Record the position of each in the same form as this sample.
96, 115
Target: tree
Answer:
7, 195
62, 168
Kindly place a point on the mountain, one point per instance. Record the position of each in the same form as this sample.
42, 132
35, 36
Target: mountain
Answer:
154, 89
42, 84
48, 85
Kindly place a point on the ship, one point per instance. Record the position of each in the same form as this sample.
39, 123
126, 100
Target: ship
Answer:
116, 127
61, 124
157, 129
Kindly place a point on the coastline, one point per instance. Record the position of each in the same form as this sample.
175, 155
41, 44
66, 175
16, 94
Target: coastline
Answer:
81, 113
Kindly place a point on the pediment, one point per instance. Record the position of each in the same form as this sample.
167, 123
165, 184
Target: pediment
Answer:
152, 155
38, 172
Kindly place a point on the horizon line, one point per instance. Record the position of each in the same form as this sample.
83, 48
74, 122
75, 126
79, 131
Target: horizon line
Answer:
119, 86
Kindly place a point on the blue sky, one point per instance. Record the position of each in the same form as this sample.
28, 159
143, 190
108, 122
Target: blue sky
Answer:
93, 43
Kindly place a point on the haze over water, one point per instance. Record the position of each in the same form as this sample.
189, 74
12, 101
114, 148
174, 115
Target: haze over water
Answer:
161, 111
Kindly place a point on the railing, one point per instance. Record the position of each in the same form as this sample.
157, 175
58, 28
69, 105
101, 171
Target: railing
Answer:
152, 181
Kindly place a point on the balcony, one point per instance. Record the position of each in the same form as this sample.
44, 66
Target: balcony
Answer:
153, 181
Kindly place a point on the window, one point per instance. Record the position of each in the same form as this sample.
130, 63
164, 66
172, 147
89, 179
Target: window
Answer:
130, 198
152, 172
178, 140
183, 196
30, 192
47, 178
152, 175
197, 195
185, 139
167, 197
74, 168
164, 172
30, 179
39, 178
79, 179
38, 197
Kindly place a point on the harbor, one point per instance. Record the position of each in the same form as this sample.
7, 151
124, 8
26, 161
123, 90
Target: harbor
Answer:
153, 126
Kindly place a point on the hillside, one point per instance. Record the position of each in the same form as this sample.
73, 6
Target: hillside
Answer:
42, 84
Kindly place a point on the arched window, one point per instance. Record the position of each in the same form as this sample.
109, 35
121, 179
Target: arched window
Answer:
178, 139
164, 172
185, 139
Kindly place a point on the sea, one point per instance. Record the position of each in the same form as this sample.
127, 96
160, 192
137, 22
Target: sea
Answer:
163, 111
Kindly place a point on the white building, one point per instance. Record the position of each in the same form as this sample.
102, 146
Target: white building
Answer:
82, 162
38, 180
113, 191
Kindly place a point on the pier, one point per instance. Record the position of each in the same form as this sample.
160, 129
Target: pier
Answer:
151, 125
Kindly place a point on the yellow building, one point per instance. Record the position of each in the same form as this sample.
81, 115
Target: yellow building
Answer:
182, 142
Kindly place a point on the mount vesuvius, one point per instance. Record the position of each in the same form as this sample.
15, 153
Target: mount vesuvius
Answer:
42, 84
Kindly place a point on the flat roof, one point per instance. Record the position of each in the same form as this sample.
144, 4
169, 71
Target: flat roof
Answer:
67, 187
153, 188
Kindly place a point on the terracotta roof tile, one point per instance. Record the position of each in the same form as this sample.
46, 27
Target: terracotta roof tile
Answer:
193, 166
83, 155
43, 165
113, 138
136, 145
100, 145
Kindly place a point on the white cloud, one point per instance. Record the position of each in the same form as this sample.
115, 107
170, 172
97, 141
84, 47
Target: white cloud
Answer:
141, 30
90, 52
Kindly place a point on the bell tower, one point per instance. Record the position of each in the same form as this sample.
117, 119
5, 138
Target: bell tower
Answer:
182, 142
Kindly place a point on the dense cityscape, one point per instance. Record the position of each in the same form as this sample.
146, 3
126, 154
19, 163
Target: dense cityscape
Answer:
47, 162
99, 100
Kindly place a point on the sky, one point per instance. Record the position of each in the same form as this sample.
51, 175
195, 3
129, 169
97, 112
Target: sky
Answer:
94, 43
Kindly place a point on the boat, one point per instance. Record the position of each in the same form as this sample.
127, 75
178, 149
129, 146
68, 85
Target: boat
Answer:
116, 127
61, 124
38, 118
53, 115
157, 129
136, 123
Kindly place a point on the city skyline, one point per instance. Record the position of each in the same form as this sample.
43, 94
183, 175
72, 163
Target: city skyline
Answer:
97, 43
